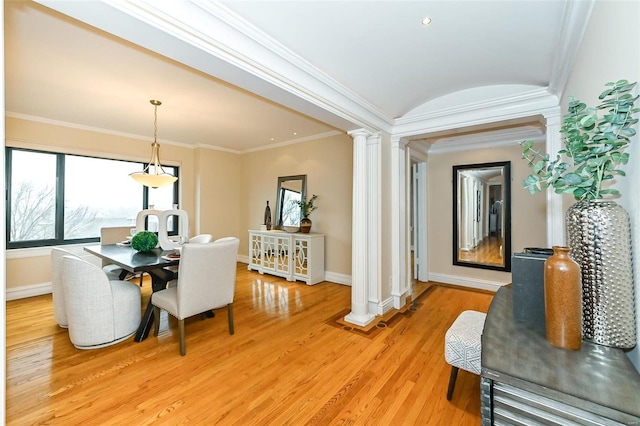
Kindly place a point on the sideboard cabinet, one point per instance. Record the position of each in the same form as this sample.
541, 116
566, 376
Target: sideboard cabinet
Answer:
527, 381
293, 256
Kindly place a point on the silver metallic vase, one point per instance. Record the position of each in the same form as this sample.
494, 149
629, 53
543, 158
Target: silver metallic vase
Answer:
599, 235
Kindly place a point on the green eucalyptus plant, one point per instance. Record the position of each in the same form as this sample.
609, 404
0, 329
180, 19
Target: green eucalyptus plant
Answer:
594, 144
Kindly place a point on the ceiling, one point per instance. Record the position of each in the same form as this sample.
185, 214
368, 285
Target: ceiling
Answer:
246, 75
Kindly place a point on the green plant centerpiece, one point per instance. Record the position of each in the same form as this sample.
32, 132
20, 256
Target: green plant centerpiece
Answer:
144, 241
306, 207
594, 144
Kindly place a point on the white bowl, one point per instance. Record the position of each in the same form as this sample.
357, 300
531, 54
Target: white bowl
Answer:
291, 228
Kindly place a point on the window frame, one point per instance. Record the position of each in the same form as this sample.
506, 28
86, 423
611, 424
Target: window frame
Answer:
59, 239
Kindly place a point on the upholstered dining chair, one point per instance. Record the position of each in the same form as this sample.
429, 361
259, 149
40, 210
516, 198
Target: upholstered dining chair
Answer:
201, 238
57, 289
198, 239
100, 312
224, 239
206, 281
113, 235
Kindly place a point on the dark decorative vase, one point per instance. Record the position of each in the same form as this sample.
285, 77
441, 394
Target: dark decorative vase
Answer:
267, 216
305, 225
563, 300
599, 234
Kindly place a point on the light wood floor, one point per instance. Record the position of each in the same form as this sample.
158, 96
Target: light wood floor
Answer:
290, 362
488, 252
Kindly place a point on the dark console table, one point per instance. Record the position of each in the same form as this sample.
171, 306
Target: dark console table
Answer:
527, 381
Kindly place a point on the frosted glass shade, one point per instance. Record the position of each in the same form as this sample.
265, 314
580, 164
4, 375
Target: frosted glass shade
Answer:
154, 181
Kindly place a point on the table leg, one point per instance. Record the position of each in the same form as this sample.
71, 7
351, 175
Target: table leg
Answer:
145, 324
159, 281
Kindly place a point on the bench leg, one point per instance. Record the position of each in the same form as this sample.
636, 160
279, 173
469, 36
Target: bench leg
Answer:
452, 382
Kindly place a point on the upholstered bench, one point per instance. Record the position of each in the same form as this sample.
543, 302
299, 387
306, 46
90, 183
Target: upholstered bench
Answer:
462, 345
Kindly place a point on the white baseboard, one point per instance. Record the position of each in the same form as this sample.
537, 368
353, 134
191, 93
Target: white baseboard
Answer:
466, 282
337, 278
23, 292
385, 306
334, 277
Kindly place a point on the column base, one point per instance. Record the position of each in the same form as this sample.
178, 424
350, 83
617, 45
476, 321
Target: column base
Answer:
360, 320
399, 301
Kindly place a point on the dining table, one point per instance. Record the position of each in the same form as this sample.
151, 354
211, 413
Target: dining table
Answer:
152, 262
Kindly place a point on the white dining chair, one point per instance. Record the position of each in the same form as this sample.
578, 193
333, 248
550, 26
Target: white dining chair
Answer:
100, 312
206, 281
224, 239
57, 289
201, 238
198, 239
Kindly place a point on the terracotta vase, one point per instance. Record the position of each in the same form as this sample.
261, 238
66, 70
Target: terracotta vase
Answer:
305, 225
563, 300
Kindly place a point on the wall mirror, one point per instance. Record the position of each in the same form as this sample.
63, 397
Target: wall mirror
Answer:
290, 189
482, 215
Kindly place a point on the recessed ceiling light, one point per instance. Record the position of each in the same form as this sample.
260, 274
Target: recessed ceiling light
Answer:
294, 133
426, 21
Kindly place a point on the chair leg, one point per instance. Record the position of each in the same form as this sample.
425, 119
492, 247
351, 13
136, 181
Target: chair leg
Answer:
230, 314
141, 278
452, 382
156, 320
183, 346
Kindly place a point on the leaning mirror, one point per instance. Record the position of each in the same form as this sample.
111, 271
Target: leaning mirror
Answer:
482, 215
290, 190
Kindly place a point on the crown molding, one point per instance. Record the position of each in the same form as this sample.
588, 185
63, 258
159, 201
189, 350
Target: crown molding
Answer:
530, 103
209, 37
165, 141
146, 139
484, 141
574, 25
294, 141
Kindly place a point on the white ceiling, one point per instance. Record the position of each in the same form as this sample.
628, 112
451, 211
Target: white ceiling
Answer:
244, 75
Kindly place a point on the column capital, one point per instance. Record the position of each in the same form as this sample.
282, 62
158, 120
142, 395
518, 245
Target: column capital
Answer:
399, 142
359, 133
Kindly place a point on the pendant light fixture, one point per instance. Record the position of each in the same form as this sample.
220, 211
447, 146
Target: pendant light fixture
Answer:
159, 177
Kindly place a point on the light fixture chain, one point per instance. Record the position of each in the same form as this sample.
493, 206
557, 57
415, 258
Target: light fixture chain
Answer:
160, 177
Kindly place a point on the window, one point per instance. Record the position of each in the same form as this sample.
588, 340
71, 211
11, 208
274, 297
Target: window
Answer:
56, 199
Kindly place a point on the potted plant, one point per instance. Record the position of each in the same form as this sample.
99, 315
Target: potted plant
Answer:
594, 144
306, 207
598, 230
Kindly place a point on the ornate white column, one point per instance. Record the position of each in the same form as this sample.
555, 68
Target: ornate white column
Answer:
359, 265
555, 212
374, 207
399, 228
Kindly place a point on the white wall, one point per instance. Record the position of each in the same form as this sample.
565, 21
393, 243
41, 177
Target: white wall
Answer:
611, 51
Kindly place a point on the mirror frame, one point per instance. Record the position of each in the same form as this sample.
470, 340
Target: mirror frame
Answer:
280, 195
506, 165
